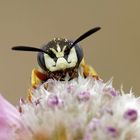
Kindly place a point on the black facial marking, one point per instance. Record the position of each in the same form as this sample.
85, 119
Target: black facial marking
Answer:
66, 53
59, 41
52, 54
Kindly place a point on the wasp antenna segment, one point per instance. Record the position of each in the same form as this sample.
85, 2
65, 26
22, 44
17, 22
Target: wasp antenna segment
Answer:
27, 48
85, 35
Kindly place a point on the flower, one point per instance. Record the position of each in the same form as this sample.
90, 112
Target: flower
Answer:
11, 126
80, 109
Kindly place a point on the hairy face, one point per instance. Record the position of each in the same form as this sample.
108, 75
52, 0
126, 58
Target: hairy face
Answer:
60, 56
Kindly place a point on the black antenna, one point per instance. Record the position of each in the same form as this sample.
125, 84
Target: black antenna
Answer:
85, 35
26, 48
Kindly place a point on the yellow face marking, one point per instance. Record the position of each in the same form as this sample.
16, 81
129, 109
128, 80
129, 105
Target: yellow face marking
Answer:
58, 54
58, 48
53, 50
64, 49
61, 63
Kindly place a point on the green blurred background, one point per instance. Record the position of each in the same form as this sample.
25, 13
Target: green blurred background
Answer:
114, 51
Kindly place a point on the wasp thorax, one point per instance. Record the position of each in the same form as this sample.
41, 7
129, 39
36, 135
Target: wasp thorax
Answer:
60, 55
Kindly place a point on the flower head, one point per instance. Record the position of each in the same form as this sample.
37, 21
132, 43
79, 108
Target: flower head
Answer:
80, 109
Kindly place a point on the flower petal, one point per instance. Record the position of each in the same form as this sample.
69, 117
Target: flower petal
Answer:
10, 123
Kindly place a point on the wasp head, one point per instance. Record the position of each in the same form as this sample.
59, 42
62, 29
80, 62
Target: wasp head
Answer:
60, 55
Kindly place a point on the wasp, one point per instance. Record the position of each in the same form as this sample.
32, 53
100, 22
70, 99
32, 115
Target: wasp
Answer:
58, 58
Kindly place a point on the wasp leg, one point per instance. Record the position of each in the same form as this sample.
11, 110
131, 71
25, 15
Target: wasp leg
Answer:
37, 77
88, 70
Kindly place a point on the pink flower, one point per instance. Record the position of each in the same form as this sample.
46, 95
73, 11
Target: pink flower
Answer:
10, 123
